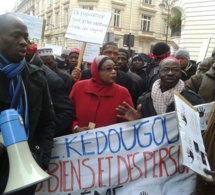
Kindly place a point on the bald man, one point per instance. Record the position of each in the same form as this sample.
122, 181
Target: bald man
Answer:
37, 112
160, 99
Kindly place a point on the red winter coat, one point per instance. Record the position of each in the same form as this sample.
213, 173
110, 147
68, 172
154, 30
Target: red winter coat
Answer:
96, 102
100, 110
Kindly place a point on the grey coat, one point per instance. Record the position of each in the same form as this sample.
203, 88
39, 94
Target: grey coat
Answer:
203, 85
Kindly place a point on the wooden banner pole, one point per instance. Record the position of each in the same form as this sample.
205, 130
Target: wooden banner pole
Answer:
81, 54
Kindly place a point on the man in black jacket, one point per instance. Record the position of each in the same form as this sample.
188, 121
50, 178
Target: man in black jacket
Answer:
160, 99
188, 67
64, 112
49, 61
13, 44
160, 51
138, 85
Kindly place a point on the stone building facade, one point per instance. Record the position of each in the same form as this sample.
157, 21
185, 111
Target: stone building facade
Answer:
144, 19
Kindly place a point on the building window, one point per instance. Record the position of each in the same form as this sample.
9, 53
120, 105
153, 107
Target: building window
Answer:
66, 17
147, 1
117, 17
145, 23
56, 41
49, 41
57, 19
48, 24
117, 41
88, 7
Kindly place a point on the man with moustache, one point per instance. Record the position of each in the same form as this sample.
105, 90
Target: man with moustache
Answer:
160, 99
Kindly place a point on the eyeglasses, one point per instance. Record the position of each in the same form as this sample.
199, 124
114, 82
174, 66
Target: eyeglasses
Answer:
173, 70
109, 69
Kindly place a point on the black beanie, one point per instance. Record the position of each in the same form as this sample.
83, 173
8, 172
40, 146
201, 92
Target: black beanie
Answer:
138, 57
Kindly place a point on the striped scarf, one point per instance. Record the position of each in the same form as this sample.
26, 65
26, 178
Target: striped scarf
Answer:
16, 88
162, 100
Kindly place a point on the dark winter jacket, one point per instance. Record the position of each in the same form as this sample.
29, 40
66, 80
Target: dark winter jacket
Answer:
188, 71
41, 117
204, 85
149, 110
64, 112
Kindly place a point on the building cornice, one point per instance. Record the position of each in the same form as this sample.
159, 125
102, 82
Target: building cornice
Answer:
118, 3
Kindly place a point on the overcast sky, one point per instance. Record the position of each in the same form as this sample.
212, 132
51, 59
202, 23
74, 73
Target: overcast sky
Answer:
7, 6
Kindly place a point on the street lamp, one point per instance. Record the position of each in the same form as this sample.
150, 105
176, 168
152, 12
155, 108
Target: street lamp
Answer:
167, 4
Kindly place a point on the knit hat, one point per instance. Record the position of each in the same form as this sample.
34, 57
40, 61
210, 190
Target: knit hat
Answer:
137, 56
184, 53
65, 52
74, 50
60, 62
169, 58
45, 52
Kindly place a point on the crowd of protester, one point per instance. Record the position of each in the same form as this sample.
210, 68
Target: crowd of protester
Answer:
113, 89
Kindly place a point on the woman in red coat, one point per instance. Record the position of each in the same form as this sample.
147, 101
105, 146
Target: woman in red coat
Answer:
95, 100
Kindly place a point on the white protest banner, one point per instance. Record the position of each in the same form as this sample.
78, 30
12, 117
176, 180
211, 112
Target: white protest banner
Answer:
56, 48
203, 50
88, 26
34, 24
137, 157
193, 150
91, 51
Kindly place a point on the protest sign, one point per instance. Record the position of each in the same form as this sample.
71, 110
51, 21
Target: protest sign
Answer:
88, 25
91, 51
56, 48
203, 50
137, 157
204, 114
34, 24
193, 150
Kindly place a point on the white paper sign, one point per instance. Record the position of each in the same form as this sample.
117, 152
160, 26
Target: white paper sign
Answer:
57, 50
88, 26
34, 24
203, 50
204, 114
193, 149
137, 157
91, 51
140, 157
